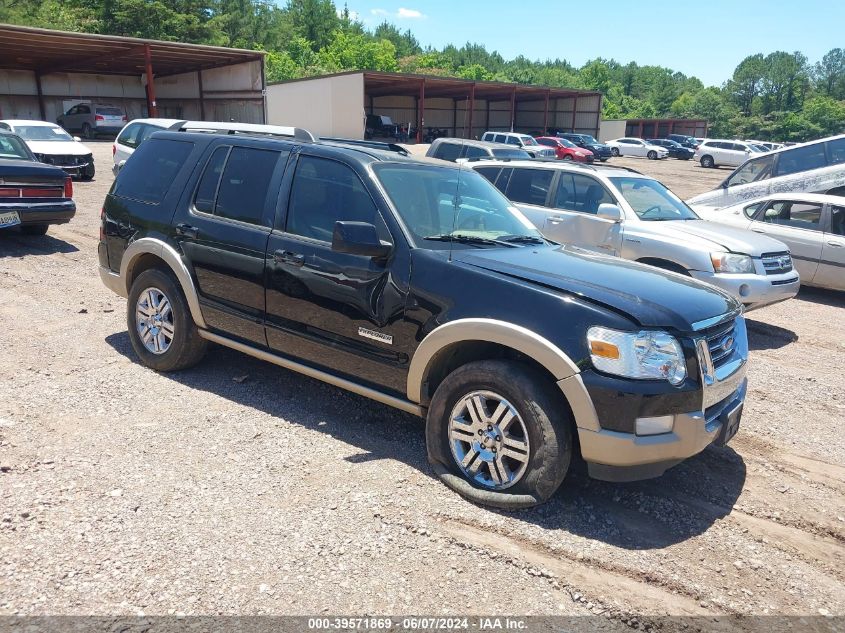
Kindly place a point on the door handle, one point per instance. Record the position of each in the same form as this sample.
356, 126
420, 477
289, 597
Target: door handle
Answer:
556, 219
758, 230
287, 257
836, 244
187, 230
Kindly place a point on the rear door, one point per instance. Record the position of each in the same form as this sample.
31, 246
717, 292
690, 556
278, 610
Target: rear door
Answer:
831, 272
223, 230
573, 220
799, 226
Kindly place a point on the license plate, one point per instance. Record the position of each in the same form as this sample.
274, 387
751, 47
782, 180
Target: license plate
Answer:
9, 218
730, 425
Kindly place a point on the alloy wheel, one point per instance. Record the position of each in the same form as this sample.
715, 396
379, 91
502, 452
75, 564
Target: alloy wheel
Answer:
154, 320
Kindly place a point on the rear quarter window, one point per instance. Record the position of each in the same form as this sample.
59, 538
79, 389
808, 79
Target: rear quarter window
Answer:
147, 176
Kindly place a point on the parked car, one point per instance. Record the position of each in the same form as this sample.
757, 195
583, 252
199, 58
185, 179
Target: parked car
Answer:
455, 149
718, 152
523, 141
380, 126
675, 149
637, 147
811, 225
418, 285
814, 167
54, 146
93, 119
600, 150
623, 213
32, 195
132, 135
766, 145
684, 140
566, 149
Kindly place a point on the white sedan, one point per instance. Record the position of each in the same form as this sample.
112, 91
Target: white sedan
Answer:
812, 225
51, 144
636, 147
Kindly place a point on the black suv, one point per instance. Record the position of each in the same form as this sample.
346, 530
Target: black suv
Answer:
600, 150
417, 284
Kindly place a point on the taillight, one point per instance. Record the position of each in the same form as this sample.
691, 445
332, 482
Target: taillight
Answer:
113, 149
99, 117
68, 187
102, 222
124, 118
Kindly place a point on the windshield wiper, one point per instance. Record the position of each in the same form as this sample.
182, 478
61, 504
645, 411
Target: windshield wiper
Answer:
523, 239
467, 239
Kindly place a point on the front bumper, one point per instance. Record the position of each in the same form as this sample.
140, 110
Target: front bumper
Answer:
754, 290
42, 212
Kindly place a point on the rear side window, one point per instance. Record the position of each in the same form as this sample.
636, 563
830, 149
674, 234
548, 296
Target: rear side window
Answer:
154, 166
235, 183
836, 151
837, 220
530, 186
489, 173
800, 159
475, 152
324, 192
448, 151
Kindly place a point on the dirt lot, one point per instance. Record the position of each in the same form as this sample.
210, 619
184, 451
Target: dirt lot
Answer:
241, 488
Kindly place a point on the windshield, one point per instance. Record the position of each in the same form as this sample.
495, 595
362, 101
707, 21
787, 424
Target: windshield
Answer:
441, 201
528, 140
42, 133
11, 147
651, 201
510, 153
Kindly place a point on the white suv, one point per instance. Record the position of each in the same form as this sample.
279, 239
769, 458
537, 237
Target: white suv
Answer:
715, 152
525, 141
132, 135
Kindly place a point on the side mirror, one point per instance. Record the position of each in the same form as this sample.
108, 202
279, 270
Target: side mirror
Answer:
610, 212
77, 139
359, 238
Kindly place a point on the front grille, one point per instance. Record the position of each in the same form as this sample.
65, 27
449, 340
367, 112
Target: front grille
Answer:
721, 343
784, 282
64, 160
777, 263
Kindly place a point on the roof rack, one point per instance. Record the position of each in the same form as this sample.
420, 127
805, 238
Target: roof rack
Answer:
296, 133
387, 147
568, 163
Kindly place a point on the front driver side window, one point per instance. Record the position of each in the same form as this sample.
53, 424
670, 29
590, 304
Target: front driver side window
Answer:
580, 193
324, 192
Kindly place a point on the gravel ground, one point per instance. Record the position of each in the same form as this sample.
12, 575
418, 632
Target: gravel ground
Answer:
241, 488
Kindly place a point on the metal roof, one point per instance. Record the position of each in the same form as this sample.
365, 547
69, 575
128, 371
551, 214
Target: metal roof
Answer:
377, 83
47, 51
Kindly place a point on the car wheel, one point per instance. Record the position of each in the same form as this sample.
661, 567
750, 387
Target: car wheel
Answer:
86, 131
88, 174
707, 161
497, 435
652, 155
567, 157
614, 151
161, 328
35, 229
604, 160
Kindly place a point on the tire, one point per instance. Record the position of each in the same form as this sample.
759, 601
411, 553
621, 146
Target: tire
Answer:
89, 173
652, 155
185, 347
614, 151
87, 132
567, 157
707, 162
35, 229
539, 418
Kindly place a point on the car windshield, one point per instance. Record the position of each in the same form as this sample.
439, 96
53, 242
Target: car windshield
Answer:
452, 207
510, 153
528, 140
13, 148
42, 133
651, 201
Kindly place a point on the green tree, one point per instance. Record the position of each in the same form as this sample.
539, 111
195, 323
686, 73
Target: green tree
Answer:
829, 74
315, 20
349, 51
404, 42
747, 81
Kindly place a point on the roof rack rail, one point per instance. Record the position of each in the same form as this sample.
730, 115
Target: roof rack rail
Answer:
568, 163
388, 147
215, 127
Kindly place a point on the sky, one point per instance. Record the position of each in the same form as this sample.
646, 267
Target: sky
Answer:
704, 38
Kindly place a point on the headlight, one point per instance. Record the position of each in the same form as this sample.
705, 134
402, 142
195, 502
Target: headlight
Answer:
732, 263
644, 355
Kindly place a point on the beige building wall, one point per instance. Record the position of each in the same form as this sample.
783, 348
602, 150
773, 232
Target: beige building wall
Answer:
612, 129
326, 106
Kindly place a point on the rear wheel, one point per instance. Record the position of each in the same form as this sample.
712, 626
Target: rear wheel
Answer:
161, 328
707, 161
652, 155
87, 132
496, 434
614, 151
35, 229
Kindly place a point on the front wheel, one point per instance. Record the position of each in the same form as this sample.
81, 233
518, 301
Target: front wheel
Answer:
87, 132
161, 328
614, 151
707, 161
652, 155
567, 157
496, 434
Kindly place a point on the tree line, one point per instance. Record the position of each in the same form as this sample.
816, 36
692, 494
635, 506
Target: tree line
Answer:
779, 96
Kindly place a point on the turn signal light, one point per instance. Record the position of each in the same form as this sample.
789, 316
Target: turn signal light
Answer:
604, 349
68, 187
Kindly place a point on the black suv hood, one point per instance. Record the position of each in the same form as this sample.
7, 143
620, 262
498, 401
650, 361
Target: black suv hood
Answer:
652, 297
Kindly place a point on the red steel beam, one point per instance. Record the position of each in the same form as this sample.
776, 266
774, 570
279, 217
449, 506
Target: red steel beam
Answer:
152, 108
546, 114
421, 112
513, 106
468, 133
574, 110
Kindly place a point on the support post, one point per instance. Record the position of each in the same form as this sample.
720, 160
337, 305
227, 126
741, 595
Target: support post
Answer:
202, 96
41, 108
468, 134
574, 111
513, 106
263, 90
671, 128
546, 114
421, 112
454, 117
640, 133
487, 120
152, 108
